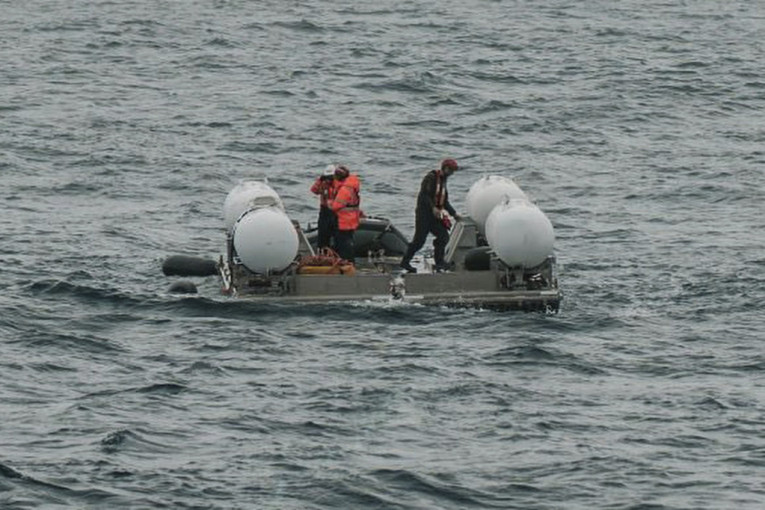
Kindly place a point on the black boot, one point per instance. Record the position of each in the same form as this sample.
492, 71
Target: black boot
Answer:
407, 266
407, 259
443, 267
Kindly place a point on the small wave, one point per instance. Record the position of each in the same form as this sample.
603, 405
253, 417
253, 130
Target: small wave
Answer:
380, 10
141, 22
157, 388
711, 404
218, 124
309, 428
70, 25
383, 311
611, 32
230, 308
50, 493
409, 85
204, 367
300, 26
361, 496
693, 64
78, 188
113, 440
163, 388
494, 106
57, 288
507, 79
257, 147
81, 342
220, 42
51, 367
525, 352
533, 355
9, 472
125, 439
438, 491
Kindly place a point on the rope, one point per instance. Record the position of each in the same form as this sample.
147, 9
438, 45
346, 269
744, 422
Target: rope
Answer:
327, 257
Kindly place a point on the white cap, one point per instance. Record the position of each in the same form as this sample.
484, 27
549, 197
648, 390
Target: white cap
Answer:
329, 171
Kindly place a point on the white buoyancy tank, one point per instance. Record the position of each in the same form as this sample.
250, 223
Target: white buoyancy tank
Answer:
519, 233
486, 193
265, 240
248, 195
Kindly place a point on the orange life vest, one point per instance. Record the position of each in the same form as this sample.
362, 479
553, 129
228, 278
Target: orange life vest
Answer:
346, 202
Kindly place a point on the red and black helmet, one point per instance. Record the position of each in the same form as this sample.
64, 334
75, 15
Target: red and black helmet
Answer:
449, 164
341, 171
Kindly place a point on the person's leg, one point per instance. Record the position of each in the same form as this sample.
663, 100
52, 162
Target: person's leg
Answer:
325, 227
344, 242
439, 243
350, 246
332, 221
420, 235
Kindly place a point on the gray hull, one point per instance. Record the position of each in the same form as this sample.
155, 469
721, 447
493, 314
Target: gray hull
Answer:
377, 278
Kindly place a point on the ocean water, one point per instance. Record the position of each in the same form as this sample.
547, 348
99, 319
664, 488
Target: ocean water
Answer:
637, 127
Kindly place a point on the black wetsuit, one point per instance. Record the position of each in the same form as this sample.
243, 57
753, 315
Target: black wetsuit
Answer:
427, 222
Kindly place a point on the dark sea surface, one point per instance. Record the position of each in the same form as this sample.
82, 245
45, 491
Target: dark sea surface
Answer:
638, 127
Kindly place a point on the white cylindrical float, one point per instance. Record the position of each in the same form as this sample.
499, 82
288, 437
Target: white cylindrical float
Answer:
248, 195
265, 240
486, 193
520, 233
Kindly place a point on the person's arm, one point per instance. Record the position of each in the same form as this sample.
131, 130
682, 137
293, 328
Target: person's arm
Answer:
318, 186
342, 198
448, 205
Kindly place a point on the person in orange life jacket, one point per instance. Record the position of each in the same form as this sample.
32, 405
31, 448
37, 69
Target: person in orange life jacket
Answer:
325, 188
430, 215
346, 204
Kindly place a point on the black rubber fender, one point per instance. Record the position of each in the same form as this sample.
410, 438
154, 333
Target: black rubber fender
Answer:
478, 259
185, 265
183, 287
374, 234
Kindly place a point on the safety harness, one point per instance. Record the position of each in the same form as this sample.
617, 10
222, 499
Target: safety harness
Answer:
440, 190
440, 199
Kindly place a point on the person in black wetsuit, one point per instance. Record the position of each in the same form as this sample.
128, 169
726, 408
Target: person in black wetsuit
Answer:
430, 215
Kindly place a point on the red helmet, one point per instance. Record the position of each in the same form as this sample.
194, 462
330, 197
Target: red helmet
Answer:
449, 164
